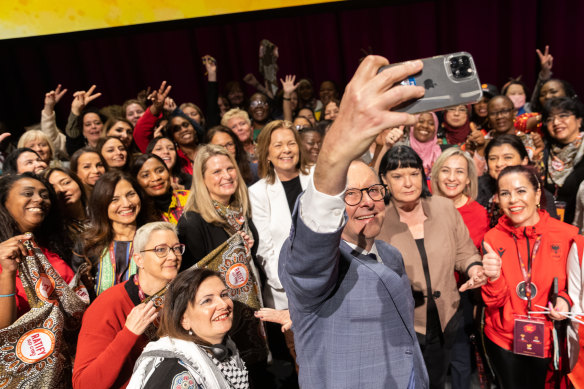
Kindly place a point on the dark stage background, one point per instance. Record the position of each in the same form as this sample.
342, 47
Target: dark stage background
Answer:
320, 42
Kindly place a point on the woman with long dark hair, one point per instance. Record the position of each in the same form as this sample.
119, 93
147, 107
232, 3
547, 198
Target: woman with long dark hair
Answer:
117, 208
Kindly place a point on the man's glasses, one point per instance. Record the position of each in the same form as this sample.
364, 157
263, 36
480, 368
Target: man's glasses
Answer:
353, 196
163, 250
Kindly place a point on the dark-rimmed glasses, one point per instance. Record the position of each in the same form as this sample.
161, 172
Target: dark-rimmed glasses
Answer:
353, 196
162, 250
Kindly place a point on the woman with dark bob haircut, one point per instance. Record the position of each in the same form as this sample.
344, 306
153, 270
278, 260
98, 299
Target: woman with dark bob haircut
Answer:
117, 208
193, 342
434, 242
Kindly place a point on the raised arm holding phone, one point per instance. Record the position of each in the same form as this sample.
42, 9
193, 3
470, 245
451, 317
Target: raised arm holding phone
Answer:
352, 312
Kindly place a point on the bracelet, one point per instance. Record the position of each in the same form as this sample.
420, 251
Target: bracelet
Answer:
286, 98
8, 295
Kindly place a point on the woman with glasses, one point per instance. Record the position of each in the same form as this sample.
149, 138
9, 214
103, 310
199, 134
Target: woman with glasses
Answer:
223, 136
456, 125
260, 112
564, 152
118, 324
434, 242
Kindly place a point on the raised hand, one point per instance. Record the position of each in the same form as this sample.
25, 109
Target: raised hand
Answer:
491, 263
169, 105
475, 140
210, 67
158, 98
547, 61
4, 136
52, 98
365, 111
391, 137
250, 79
288, 85
82, 98
280, 316
140, 317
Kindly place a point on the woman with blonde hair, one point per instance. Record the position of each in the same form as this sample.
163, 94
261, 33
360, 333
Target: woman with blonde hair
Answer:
39, 142
238, 121
217, 208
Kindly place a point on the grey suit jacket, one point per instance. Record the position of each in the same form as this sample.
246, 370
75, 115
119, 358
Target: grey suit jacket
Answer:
353, 316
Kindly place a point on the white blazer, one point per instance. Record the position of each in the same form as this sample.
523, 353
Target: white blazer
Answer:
272, 218
575, 291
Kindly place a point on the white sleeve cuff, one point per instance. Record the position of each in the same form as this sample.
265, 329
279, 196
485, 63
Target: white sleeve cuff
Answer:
320, 212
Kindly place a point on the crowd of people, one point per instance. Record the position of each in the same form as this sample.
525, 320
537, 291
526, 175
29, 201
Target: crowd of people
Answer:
378, 249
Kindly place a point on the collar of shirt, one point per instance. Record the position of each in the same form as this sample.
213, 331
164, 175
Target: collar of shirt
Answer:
362, 251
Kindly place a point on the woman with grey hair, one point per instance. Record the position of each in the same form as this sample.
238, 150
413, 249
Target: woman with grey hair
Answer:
118, 325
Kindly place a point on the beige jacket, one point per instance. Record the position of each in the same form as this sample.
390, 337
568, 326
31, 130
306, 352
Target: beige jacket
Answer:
448, 247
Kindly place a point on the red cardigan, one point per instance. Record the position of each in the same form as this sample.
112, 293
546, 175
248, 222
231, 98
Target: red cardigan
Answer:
500, 296
476, 219
106, 349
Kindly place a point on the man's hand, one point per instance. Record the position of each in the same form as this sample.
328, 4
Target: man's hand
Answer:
363, 114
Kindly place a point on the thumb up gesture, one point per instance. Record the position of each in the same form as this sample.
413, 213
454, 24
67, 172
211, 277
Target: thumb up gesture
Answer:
491, 262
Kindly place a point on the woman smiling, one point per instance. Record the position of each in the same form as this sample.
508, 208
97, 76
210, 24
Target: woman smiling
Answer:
117, 207
434, 242
194, 348
154, 177
526, 254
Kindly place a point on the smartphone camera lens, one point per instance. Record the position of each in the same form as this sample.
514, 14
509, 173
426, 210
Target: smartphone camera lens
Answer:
461, 67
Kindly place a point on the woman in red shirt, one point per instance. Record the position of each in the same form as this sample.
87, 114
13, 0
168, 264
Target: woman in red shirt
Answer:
525, 252
26, 205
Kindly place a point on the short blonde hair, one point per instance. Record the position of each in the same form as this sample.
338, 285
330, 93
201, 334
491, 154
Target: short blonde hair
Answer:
470, 190
266, 169
233, 113
32, 135
200, 200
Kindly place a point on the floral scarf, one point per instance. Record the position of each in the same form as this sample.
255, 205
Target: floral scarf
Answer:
233, 215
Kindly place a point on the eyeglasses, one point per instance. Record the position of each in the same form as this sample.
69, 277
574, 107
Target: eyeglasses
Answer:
258, 103
561, 117
228, 145
353, 196
163, 250
502, 112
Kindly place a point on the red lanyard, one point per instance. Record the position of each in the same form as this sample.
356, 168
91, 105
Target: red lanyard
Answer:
527, 273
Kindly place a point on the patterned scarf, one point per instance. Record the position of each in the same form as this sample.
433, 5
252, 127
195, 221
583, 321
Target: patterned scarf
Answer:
36, 348
235, 375
233, 215
562, 160
106, 276
176, 207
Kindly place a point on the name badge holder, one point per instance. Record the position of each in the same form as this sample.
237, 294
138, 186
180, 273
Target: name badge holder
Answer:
528, 332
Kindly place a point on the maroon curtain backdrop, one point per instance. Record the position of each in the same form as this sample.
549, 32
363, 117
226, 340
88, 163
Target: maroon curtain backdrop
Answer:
319, 42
